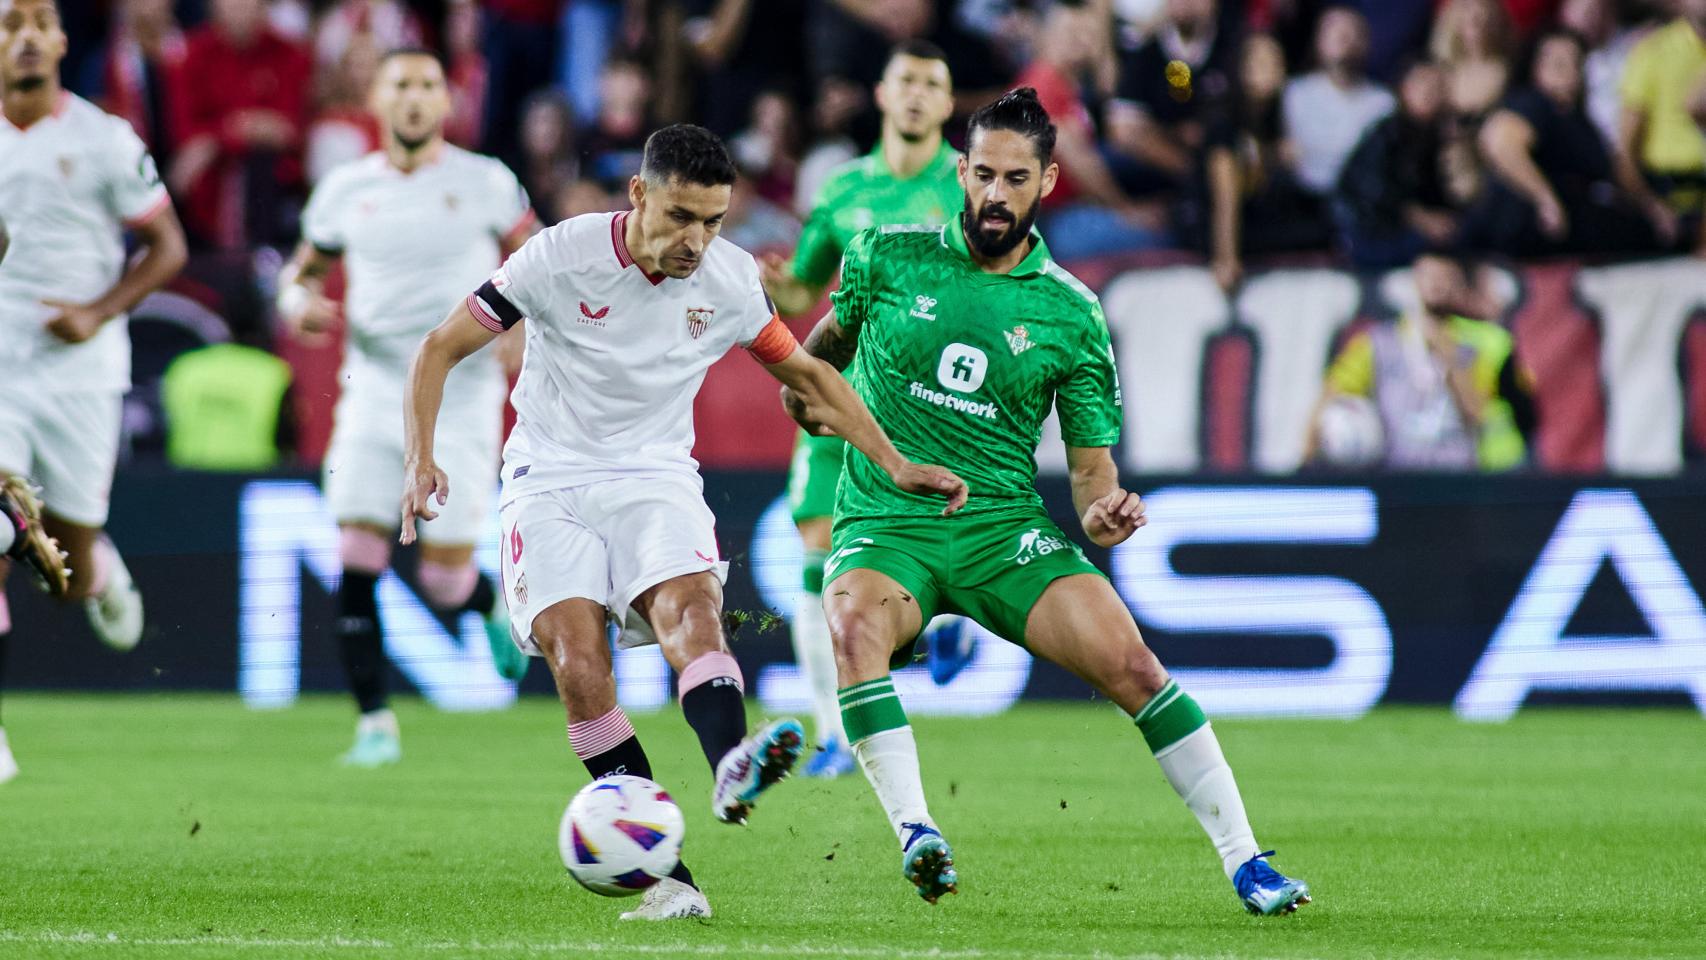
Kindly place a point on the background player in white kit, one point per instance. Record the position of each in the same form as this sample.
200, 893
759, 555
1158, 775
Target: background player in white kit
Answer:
72, 180
418, 224
603, 508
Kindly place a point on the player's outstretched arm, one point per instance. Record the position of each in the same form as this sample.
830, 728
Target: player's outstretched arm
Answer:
1108, 514
792, 295
449, 343
826, 401
162, 239
307, 312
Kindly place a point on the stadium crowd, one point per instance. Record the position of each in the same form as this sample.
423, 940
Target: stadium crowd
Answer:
1356, 133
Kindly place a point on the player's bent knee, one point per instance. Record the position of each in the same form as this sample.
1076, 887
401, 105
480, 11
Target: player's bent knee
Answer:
862, 639
446, 587
363, 550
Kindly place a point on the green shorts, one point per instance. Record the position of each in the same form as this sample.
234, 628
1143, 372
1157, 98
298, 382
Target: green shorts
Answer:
991, 569
813, 476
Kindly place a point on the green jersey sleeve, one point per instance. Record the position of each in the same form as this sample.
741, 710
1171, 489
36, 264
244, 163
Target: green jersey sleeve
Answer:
1088, 400
853, 301
818, 254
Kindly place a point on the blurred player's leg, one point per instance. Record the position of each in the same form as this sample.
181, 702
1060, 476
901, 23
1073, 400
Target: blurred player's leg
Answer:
814, 651
365, 552
453, 584
8, 765
1081, 624
571, 636
870, 620
686, 614
100, 579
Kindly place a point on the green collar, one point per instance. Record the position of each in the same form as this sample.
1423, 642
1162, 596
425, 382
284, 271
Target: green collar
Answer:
946, 157
954, 238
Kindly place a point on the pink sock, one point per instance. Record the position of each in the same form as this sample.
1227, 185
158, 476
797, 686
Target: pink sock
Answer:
589, 738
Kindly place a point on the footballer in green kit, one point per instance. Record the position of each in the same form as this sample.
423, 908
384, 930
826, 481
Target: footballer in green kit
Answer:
961, 340
912, 176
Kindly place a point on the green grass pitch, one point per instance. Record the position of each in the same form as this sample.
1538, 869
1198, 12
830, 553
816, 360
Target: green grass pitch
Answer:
193, 828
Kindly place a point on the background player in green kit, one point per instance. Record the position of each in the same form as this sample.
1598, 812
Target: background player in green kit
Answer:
961, 339
911, 177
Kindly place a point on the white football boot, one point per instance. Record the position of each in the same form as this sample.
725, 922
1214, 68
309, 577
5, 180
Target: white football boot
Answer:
8, 766
116, 614
670, 900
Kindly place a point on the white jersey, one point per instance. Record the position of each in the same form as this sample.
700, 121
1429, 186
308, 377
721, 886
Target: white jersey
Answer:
614, 356
69, 186
413, 245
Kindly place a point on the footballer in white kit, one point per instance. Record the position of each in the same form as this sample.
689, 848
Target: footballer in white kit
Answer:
603, 513
73, 179
417, 225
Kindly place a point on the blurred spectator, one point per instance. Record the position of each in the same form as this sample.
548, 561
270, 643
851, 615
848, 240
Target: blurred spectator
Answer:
743, 48
1393, 202
754, 222
1328, 111
1609, 44
242, 109
386, 24
850, 39
767, 151
344, 128
838, 105
1433, 391
591, 31
226, 407
548, 157
147, 49
583, 196
465, 73
1556, 186
519, 40
1255, 205
1472, 41
1088, 213
1656, 131
610, 152
1155, 120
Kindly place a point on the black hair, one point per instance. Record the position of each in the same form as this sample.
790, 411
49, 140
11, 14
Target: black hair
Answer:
689, 153
918, 49
1021, 112
1531, 54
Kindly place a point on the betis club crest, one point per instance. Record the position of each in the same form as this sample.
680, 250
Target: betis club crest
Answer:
698, 320
1018, 339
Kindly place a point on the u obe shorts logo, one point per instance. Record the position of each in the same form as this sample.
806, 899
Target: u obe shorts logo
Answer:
1035, 543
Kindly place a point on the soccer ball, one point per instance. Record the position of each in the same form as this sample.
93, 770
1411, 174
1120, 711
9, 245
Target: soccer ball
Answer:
620, 835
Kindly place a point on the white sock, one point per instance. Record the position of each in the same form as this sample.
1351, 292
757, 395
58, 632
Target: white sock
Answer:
382, 719
814, 651
1198, 772
890, 762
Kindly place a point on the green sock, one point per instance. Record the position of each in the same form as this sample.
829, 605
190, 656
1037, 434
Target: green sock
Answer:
870, 708
1169, 716
811, 570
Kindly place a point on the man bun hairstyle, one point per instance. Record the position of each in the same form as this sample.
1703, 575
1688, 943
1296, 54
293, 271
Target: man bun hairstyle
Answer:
687, 153
1021, 112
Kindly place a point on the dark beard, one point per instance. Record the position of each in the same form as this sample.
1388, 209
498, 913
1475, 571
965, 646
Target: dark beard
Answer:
911, 137
989, 246
413, 145
29, 84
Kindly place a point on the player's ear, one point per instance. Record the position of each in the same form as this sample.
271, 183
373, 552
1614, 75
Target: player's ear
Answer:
963, 166
636, 191
1051, 173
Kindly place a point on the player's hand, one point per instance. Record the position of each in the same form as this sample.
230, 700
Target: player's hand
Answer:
314, 321
794, 406
929, 479
1111, 520
423, 484
773, 271
75, 322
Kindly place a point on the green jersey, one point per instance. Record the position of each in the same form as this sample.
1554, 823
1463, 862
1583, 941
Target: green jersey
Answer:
865, 193
961, 367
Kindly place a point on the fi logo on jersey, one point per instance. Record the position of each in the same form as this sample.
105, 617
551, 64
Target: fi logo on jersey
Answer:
962, 367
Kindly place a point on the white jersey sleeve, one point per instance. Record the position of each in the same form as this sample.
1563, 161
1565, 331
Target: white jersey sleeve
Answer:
507, 200
756, 310
322, 219
134, 193
525, 279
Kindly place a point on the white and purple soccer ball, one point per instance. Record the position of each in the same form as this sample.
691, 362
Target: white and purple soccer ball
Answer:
620, 835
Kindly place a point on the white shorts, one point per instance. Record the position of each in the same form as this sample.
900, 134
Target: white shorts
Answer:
607, 542
68, 444
363, 470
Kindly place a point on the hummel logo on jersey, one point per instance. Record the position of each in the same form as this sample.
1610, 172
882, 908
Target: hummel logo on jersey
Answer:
591, 317
921, 307
1035, 543
698, 319
1018, 339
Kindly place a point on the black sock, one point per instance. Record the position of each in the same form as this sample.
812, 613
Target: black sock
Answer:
359, 643
481, 598
628, 757
717, 713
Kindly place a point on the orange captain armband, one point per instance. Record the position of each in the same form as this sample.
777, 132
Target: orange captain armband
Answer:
774, 344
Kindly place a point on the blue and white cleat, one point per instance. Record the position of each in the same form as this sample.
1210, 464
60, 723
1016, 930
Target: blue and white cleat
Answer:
377, 742
927, 862
751, 768
510, 662
833, 760
952, 646
1265, 891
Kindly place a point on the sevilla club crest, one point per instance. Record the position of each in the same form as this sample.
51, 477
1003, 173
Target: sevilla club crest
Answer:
698, 320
